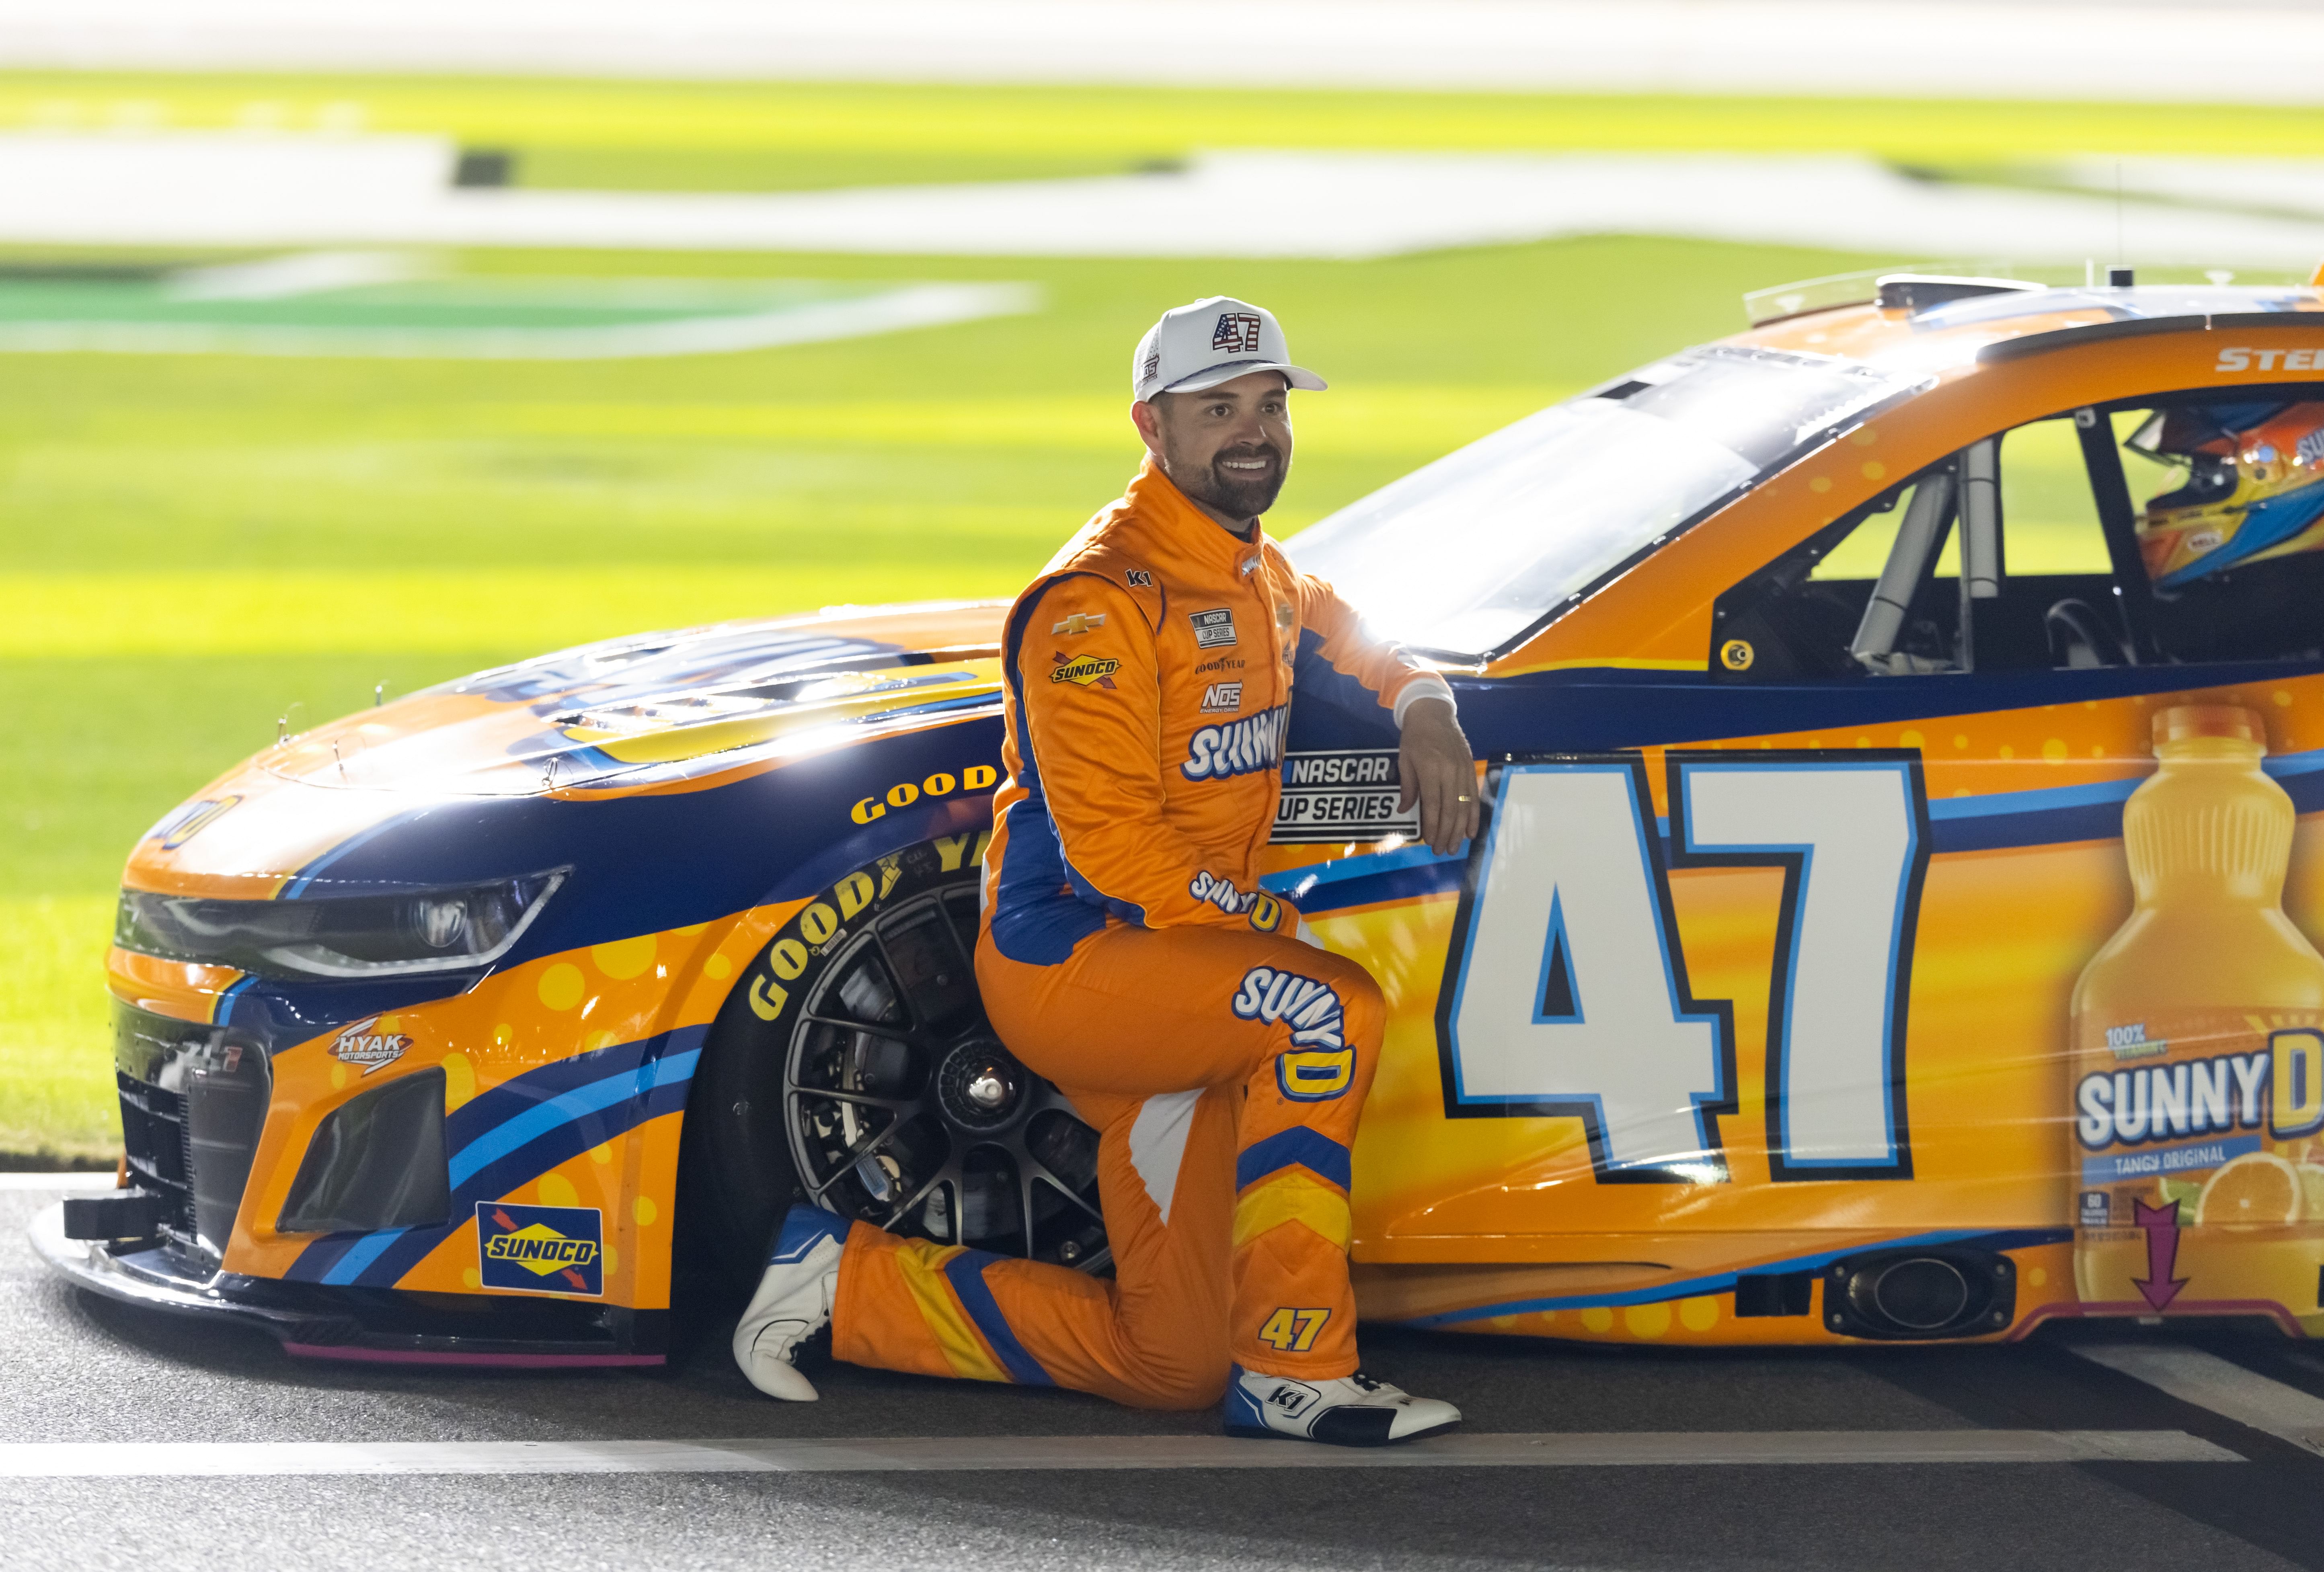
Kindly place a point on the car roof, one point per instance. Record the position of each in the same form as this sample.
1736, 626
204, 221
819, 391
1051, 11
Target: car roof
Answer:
1955, 332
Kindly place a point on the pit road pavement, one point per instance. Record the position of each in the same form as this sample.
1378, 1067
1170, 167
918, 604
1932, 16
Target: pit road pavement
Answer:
80, 1377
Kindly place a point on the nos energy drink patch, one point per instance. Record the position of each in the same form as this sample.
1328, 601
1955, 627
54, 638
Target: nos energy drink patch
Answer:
541, 1249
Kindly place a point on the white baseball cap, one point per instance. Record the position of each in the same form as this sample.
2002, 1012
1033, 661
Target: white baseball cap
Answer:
1210, 342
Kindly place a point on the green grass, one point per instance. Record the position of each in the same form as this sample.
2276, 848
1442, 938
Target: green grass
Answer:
744, 136
195, 546
212, 540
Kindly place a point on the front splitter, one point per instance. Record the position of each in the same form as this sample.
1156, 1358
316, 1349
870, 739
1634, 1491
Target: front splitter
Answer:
367, 1325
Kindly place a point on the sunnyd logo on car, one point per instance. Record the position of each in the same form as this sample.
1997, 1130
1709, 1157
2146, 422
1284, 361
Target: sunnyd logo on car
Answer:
540, 1249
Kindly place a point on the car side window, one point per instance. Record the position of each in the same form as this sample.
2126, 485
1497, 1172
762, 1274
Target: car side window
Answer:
1995, 559
2228, 495
2185, 527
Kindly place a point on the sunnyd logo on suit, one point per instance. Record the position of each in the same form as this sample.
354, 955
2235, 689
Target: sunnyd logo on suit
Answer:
540, 1249
1265, 912
1243, 747
1310, 1007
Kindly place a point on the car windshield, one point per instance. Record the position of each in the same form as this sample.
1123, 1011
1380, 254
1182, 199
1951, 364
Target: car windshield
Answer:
1467, 554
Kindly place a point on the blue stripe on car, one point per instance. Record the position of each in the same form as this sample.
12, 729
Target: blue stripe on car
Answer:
1724, 1281
515, 1133
2050, 816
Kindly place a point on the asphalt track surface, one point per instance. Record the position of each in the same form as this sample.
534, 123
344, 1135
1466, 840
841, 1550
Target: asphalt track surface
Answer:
80, 1375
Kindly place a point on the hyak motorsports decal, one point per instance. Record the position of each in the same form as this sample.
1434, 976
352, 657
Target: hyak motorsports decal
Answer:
371, 1044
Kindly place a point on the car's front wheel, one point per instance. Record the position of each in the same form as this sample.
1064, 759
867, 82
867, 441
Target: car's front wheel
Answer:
853, 1066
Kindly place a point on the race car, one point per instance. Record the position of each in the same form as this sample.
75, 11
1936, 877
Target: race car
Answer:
1889, 718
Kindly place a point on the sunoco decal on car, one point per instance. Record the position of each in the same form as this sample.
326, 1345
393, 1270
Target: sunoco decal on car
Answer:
540, 1249
1340, 797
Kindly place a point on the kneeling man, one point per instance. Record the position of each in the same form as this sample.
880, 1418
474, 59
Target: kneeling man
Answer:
1129, 954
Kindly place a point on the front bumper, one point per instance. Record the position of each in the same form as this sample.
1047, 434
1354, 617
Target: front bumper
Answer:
380, 1326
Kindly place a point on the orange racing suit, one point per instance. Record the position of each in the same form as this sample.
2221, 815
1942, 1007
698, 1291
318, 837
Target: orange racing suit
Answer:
1129, 954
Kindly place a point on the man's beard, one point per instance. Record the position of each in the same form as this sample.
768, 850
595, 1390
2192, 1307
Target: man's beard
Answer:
1237, 496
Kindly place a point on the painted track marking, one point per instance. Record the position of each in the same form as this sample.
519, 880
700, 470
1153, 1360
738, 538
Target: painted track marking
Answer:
117, 1459
2221, 1385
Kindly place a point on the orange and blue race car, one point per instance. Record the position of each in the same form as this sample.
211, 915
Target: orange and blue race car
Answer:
1901, 733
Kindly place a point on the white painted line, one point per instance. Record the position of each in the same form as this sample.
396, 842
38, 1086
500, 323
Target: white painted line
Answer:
2226, 1388
102, 1180
122, 1459
215, 189
888, 311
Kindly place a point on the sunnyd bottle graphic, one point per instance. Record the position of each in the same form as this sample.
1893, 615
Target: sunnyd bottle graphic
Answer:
2198, 1049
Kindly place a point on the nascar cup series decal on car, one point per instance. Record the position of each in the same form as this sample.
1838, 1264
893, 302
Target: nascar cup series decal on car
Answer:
1243, 747
1340, 797
370, 1043
1084, 669
1312, 1008
1213, 629
1079, 622
540, 1249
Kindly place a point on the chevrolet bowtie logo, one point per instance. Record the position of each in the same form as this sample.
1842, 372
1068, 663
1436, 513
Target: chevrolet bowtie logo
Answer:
1078, 624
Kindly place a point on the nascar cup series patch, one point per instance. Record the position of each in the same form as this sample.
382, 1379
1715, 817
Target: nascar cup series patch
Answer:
540, 1249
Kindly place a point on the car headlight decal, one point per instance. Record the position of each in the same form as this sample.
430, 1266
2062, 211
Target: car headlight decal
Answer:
340, 936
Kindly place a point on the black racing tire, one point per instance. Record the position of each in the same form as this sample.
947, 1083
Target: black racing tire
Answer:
853, 1065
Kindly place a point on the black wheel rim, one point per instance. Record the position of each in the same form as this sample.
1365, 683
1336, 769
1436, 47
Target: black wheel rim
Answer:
904, 1110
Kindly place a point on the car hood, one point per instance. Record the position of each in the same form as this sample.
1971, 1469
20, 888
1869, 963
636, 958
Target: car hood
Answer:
672, 711
659, 707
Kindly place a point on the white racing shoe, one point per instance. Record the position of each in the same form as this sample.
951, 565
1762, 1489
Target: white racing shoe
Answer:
793, 1302
1353, 1411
